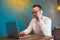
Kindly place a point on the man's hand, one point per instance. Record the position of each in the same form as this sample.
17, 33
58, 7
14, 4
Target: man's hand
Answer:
39, 14
22, 33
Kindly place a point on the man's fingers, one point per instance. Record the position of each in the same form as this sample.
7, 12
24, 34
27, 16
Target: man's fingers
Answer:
22, 33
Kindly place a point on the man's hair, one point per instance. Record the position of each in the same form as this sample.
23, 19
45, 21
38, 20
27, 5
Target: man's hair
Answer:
37, 5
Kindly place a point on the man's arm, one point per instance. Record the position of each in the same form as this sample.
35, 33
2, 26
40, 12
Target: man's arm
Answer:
46, 27
28, 30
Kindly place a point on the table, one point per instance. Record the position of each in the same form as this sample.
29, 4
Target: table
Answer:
31, 37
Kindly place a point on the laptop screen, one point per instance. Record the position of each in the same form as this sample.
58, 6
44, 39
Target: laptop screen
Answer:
12, 29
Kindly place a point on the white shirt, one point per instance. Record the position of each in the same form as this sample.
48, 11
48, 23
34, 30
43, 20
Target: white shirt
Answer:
41, 27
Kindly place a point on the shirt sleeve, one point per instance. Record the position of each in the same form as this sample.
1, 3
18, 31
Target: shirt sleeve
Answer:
46, 27
28, 29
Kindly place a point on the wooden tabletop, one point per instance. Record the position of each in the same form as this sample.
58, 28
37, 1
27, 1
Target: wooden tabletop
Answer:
30, 37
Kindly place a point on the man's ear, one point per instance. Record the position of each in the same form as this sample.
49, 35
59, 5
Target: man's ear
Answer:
42, 11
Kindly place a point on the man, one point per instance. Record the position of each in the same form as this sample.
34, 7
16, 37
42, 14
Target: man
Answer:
40, 24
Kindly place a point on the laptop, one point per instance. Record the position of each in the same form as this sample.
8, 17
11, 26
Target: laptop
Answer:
12, 30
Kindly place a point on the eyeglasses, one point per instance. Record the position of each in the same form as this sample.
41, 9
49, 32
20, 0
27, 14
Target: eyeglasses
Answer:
35, 12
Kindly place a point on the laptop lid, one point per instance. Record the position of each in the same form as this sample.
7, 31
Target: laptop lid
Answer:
12, 29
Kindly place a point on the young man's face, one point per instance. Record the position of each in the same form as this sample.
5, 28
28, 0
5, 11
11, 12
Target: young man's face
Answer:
34, 11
